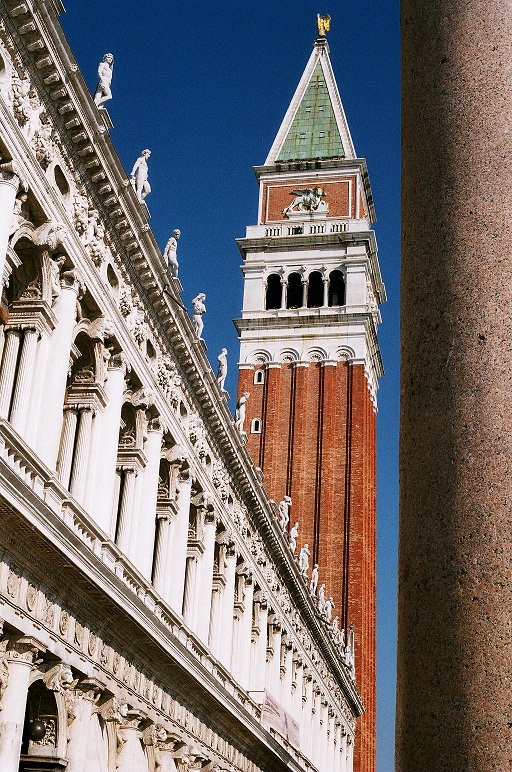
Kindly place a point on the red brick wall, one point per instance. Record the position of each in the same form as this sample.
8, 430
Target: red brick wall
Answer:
277, 196
318, 446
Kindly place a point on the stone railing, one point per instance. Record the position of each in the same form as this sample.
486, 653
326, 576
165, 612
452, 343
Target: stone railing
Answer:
305, 228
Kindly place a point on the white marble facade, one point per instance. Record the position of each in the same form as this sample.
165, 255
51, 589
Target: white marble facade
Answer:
148, 598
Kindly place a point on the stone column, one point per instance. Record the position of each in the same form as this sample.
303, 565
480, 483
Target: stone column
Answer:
454, 701
179, 543
163, 533
304, 292
190, 586
22, 390
9, 185
325, 281
244, 635
104, 486
286, 674
20, 658
307, 715
284, 293
54, 380
78, 746
215, 614
126, 510
273, 683
228, 600
81, 457
297, 688
204, 595
67, 444
143, 532
8, 371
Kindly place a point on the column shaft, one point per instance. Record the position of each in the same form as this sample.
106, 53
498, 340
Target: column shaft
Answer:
23, 388
126, 510
20, 658
228, 600
179, 546
8, 371
163, 530
143, 540
81, 457
67, 444
454, 702
8, 191
204, 595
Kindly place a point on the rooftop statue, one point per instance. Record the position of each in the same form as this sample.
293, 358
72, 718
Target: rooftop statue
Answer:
199, 309
139, 176
171, 249
294, 534
105, 70
323, 24
240, 409
283, 508
304, 560
222, 370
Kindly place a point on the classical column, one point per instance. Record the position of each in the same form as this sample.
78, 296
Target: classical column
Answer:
286, 673
143, 532
273, 683
81, 456
284, 293
304, 292
20, 656
78, 748
22, 390
179, 543
67, 444
215, 614
8, 370
307, 715
228, 600
454, 701
104, 486
162, 543
325, 281
243, 650
259, 643
54, 380
190, 587
127, 494
297, 685
9, 185
204, 594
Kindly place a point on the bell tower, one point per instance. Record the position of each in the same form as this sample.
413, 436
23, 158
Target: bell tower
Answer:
309, 355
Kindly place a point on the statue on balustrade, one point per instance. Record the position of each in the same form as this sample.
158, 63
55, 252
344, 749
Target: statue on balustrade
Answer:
284, 511
105, 71
139, 176
240, 410
294, 535
198, 309
170, 252
314, 580
222, 370
304, 560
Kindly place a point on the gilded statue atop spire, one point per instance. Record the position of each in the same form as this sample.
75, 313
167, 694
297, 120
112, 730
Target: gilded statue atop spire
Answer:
323, 25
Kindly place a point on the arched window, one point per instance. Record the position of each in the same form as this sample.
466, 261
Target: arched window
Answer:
274, 292
336, 289
259, 377
256, 426
315, 290
294, 295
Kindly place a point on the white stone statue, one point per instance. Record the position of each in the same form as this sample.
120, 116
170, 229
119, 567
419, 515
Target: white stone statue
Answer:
320, 601
170, 251
20, 212
222, 370
199, 309
328, 608
240, 410
35, 110
314, 580
56, 265
103, 90
304, 560
294, 535
283, 509
307, 200
139, 176
92, 224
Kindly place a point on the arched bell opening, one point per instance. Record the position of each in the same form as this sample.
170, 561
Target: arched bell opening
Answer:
294, 294
315, 290
336, 289
274, 295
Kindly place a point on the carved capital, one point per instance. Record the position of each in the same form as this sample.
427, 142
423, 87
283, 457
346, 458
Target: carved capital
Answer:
24, 650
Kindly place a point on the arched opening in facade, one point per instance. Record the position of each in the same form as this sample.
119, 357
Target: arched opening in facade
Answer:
259, 377
41, 727
336, 289
274, 294
315, 290
294, 295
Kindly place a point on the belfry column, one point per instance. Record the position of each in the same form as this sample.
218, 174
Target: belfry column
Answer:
454, 702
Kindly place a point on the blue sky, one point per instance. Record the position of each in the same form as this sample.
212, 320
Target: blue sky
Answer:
205, 86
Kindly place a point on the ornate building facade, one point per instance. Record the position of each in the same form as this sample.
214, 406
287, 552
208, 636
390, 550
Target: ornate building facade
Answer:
309, 356
154, 617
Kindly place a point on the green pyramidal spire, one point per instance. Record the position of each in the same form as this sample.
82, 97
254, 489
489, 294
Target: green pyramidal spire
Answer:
314, 131
315, 126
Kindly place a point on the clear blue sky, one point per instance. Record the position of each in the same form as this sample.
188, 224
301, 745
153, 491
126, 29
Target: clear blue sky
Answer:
205, 86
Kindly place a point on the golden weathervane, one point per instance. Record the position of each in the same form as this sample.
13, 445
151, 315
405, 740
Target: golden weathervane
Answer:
323, 24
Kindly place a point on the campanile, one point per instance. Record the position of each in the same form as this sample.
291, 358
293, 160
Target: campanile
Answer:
309, 355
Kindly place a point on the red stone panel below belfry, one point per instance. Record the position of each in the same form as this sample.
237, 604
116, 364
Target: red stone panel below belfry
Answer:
318, 445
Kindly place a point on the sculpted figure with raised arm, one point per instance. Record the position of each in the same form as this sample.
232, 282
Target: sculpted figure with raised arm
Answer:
105, 71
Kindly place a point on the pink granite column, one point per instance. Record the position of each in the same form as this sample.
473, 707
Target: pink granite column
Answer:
454, 695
